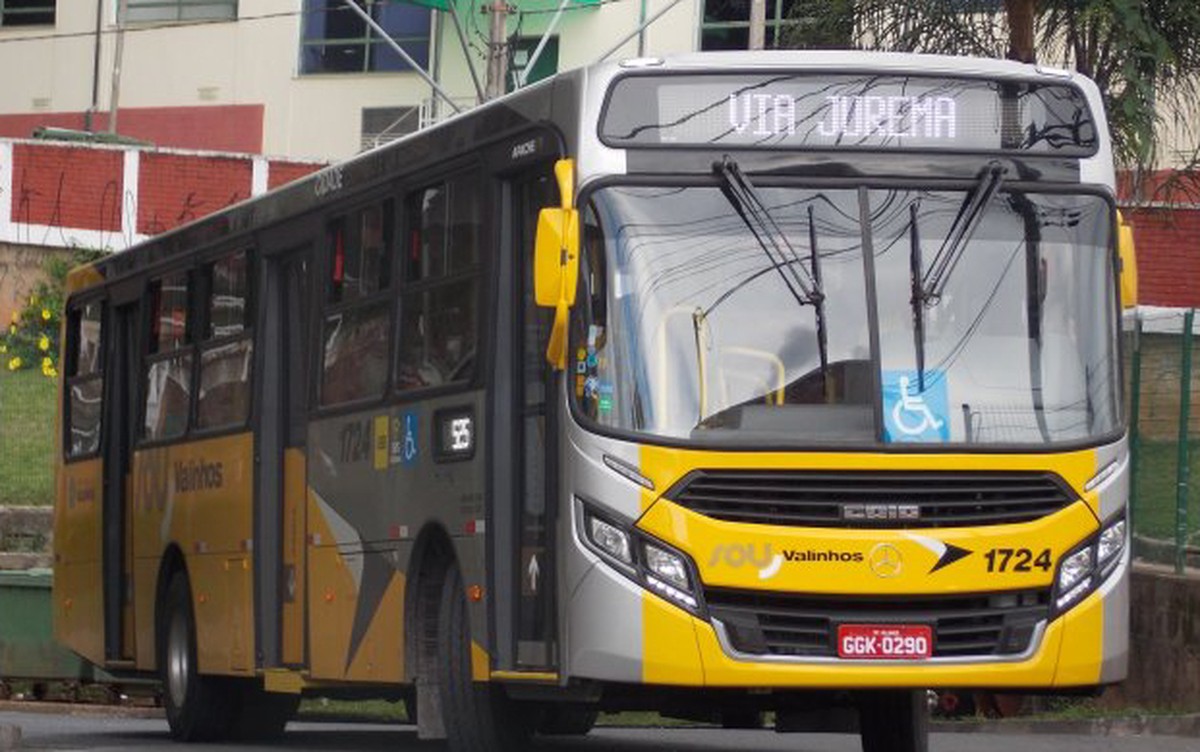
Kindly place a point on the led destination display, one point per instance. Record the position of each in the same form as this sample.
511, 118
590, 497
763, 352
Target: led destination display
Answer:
818, 111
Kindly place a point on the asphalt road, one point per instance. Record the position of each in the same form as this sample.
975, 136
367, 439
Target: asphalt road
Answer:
46, 731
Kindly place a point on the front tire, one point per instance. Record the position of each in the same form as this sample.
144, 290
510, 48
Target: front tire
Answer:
480, 717
198, 708
894, 721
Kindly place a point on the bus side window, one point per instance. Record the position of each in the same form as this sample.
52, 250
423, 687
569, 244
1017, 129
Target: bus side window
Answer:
85, 379
440, 297
357, 325
227, 352
169, 359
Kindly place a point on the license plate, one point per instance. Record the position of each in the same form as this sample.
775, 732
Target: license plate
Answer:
884, 641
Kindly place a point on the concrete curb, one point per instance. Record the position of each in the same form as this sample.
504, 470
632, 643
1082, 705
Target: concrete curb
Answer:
63, 708
1137, 725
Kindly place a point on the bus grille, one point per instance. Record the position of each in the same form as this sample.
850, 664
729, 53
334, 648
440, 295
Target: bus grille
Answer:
871, 499
964, 626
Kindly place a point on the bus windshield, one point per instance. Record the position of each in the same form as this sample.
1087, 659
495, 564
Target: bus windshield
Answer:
688, 325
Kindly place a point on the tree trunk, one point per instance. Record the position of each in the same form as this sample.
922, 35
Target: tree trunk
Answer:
1021, 15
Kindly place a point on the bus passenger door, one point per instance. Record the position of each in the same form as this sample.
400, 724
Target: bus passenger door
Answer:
280, 498
536, 439
120, 420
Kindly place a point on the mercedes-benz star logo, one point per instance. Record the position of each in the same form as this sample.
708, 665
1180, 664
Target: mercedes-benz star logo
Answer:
885, 560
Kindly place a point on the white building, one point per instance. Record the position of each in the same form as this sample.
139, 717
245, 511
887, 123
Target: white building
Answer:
302, 78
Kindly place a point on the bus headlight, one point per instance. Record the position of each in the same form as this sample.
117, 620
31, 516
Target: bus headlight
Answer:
610, 539
1082, 570
647, 561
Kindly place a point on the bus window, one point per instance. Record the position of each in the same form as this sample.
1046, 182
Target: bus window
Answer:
169, 366
85, 380
440, 297
357, 325
223, 399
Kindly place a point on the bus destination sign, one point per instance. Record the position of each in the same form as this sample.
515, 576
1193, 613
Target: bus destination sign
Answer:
876, 112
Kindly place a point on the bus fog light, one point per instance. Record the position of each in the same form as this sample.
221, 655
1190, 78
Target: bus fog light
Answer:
1075, 569
667, 566
1112, 541
610, 539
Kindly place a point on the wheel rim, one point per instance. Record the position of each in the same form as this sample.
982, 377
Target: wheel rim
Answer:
178, 660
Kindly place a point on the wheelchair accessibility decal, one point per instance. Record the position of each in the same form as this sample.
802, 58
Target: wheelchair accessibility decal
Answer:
913, 415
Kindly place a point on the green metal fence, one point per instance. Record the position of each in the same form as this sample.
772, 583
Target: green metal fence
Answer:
1164, 431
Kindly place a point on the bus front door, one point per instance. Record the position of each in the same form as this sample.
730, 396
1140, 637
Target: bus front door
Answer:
280, 499
120, 415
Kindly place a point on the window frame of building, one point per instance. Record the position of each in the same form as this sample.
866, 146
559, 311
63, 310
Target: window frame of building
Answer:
777, 20
25, 16
375, 53
179, 11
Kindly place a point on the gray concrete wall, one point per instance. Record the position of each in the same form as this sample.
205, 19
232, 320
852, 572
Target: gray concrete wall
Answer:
1164, 666
25, 537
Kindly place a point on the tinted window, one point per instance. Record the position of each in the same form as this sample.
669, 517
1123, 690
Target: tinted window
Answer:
169, 312
228, 313
354, 366
168, 396
438, 335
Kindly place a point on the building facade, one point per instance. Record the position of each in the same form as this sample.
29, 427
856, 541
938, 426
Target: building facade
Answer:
303, 79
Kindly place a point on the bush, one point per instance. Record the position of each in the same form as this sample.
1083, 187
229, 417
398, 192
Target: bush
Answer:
32, 337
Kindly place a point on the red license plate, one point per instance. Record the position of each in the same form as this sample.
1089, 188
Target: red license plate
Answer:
884, 641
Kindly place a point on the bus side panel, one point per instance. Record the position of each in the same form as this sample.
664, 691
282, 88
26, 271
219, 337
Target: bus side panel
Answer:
77, 592
197, 495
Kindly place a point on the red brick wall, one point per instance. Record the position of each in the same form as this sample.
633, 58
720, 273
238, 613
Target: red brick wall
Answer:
1168, 253
286, 172
235, 128
67, 187
174, 189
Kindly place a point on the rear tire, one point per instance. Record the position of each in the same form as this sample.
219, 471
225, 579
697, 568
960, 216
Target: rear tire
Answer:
894, 721
567, 720
198, 708
262, 715
480, 717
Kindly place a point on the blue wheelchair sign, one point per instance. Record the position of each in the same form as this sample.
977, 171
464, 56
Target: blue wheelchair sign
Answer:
910, 414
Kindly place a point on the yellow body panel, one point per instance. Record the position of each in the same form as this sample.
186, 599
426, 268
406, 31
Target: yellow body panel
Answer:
331, 598
295, 508
670, 653
380, 656
78, 596
198, 496
1083, 634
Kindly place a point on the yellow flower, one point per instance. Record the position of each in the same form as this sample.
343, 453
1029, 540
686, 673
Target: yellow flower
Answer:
16, 316
33, 300
3, 349
14, 364
50, 373
12, 328
45, 314
44, 343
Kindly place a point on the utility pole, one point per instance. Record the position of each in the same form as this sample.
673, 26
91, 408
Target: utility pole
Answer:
758, 24
497, 70
118, 53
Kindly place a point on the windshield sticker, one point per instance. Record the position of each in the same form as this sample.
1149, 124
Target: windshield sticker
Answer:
910, 414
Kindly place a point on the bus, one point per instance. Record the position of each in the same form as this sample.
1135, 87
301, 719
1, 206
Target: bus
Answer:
717, 386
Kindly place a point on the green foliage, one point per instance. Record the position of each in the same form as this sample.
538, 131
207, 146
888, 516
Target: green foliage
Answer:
31, 340
1143, 54
26, 438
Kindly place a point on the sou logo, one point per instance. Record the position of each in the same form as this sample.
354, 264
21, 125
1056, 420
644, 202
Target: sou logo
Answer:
737, 555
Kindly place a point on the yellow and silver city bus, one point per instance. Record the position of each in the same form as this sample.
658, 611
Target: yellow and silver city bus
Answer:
718, 385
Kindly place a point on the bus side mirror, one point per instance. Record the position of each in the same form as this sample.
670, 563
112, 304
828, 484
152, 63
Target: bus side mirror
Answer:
1128, 259
556, 262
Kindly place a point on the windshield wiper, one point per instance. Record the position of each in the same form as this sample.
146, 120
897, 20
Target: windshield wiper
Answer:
927, 286
933, 281
804, 283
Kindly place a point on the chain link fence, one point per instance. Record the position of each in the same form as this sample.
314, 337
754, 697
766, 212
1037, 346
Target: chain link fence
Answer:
1163, 361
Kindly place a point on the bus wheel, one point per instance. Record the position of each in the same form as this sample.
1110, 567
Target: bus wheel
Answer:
262, 715
894, 721
479, 716
567, 720
197, 707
